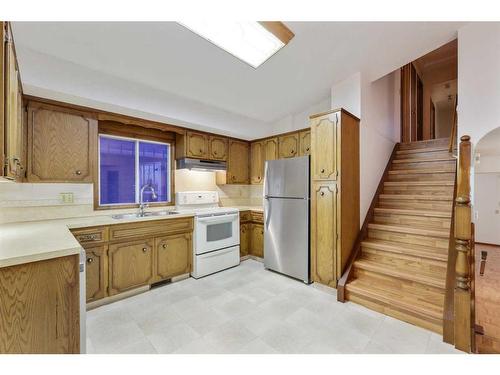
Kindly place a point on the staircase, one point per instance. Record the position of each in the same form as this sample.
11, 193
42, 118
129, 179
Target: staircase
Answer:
401, 270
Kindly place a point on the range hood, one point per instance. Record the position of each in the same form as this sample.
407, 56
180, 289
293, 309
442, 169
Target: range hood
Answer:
201, 165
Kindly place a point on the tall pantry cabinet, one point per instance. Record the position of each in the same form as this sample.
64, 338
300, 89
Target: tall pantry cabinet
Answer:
334, 193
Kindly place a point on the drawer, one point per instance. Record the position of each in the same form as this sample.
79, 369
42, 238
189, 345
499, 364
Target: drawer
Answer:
245, 216
257, 216
150, 228
90, 236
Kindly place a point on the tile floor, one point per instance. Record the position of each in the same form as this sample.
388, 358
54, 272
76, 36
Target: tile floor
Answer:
248, 309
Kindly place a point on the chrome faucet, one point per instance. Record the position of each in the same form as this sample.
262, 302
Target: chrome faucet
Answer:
142, 205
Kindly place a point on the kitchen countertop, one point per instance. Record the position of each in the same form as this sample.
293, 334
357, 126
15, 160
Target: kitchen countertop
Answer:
32, 241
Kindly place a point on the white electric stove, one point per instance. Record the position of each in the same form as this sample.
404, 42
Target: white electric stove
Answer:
216, 232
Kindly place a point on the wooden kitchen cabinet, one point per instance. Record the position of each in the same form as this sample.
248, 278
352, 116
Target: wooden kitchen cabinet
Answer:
257, 240
256, 162
196, 145
270, 149
304, 143
96, 272
40, 307
324, 142
238, 162
335, 193
217, 147
324, 232
131, 265
288, 146
62, 144
244, 239
173, 255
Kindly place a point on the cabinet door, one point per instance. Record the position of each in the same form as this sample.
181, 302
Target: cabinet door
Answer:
324, 146
256, 162
324, 233
61, 145
271, 149
238, 166
218, 148
197, 145
244, 239
288, 146
257, 240
173, 255
96, 272
130, 265
305, 143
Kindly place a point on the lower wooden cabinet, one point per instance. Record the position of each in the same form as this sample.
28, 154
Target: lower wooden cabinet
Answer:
244, 239
131, 265
257, 240
96, 272
173, 255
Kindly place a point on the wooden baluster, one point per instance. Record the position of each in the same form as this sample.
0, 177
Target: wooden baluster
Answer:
463, 324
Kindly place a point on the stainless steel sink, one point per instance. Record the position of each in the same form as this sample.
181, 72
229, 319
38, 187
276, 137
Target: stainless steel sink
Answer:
146, 214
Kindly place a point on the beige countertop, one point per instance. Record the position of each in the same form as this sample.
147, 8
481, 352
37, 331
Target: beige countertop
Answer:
33, 241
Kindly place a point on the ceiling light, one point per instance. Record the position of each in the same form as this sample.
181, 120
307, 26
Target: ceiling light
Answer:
250, 41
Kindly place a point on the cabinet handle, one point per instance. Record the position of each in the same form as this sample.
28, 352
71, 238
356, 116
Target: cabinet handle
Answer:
261, 232
78, 172
258, 178
201, 150
322, 193
90, 260
292, 152
144, 249
164, 245
215, 152
233, 177
307, 149
323, 170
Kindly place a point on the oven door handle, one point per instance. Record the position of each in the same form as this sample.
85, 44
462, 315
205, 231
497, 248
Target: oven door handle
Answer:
218, 219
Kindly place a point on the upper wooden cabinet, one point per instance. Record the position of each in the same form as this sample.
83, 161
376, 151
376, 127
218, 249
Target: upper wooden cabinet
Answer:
270, 149
196, 145
173, 255
61, 144
304, 143
288, 145
13, 156
131, 265
256, 162
324, 143
217, 147
238, 166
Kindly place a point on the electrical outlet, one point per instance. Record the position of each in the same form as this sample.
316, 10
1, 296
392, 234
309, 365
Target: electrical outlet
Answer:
66, 197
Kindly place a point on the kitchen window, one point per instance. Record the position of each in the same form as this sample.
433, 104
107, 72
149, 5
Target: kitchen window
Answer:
127, 164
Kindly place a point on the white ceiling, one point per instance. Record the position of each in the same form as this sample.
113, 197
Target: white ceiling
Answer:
169, 58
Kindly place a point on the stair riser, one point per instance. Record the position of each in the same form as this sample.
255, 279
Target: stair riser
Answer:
423, 190
408, 238
408, 250
422, 177
401, 260
432, 143
432, 325
419, 221
422, 155
448, 166
416, 205
427, 293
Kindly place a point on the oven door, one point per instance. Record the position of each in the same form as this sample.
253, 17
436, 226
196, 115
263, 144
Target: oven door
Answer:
216, 232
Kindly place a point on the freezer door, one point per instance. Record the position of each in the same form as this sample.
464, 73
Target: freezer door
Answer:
288, 178
286, 236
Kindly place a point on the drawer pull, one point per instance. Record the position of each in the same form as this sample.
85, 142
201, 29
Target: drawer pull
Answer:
90, 260
78, 172
164, 245
144, 249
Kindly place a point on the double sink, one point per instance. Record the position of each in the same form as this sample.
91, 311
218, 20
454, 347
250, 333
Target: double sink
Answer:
145, 214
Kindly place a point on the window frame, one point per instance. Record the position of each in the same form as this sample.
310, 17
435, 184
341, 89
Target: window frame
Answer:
136, 140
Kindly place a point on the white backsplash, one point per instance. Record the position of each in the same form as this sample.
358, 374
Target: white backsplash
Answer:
27, 201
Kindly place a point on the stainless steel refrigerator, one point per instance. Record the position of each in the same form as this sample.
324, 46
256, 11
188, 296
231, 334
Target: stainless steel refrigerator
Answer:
286, 217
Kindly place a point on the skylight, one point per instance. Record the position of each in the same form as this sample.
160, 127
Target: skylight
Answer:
250, 41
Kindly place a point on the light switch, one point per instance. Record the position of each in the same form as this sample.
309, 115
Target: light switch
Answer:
66, 197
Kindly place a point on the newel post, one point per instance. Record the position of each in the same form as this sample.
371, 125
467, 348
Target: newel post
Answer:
463, 221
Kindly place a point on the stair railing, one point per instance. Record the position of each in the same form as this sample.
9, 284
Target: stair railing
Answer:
463, 317
452, 145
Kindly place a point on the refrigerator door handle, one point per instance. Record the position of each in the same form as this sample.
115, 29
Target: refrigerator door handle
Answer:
267, 212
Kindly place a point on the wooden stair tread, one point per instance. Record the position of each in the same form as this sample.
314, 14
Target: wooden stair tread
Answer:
410, 230
420, 160
421, 197
406, 249
401, 211
395, 298
420, 183
420, 171
421, 150
404, 273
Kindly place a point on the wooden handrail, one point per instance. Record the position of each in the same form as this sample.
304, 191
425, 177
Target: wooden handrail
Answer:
463, 295
453, 135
